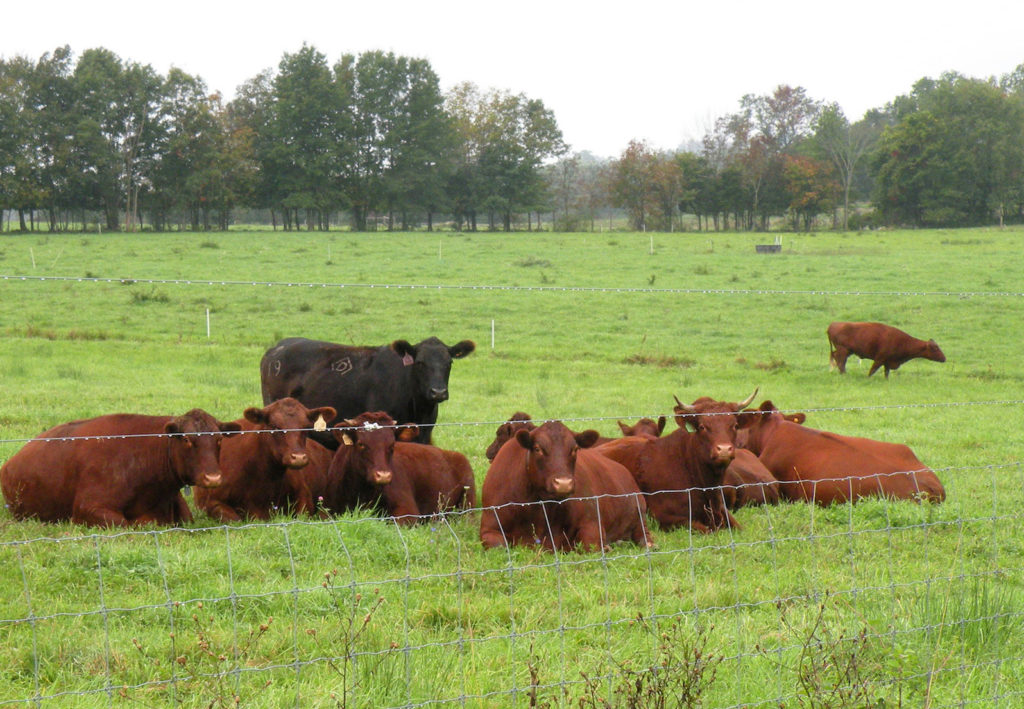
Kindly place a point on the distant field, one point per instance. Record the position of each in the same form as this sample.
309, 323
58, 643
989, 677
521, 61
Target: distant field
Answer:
587, 327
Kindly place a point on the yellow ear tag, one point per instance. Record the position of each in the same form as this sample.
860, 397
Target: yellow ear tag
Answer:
320, 424
347, 439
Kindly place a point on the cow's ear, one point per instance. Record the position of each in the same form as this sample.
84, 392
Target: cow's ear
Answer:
682, 419
255, 415
524, 438
798, 417
408, 433
172, 427
624, 428
462, 349
403, 349
746, 419
343, 436
321, 417
587, 438
229, 427
661, 424
767, 405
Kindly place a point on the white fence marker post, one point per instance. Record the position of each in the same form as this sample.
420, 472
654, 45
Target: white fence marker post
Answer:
207, 323
492, 335
33, 255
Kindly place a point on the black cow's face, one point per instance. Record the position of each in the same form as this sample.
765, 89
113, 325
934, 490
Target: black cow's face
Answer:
551, 464
287, 421
431, 361
194, 447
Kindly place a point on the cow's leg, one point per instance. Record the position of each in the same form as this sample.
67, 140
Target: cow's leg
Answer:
98, 517
222, 513
182, 513
840, 356
874, 367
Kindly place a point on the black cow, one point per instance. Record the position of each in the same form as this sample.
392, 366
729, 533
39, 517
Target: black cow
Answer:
405, 381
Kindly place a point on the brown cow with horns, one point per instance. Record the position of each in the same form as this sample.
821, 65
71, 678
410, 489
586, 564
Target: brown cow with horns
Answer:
683, 472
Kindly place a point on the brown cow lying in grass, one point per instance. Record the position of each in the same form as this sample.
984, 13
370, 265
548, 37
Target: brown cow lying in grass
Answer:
116, 470
263, 467
545, 488
822, 467
372, 470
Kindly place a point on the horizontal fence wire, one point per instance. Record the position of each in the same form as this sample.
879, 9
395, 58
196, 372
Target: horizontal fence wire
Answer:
579, 420
494, 287
882, 599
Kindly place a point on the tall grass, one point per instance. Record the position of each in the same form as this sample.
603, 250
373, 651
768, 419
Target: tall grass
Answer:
924, 597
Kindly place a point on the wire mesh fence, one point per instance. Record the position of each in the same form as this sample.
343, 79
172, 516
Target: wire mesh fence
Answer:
888, 601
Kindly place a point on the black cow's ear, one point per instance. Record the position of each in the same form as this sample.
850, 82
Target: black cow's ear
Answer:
587, 438
403, 348
524, 438
462, 349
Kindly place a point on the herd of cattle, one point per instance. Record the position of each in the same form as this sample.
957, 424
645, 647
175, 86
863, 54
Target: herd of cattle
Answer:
345, 428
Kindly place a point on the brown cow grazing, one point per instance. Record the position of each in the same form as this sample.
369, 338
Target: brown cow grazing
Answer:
825, 467
263, 466
683, 472
508, 430
133, 478
886, 346
544, 487
644, 427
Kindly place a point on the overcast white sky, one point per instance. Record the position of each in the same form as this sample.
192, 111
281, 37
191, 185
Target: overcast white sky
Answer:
611, 71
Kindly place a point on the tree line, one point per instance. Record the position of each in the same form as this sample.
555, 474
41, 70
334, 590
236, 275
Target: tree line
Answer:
372, 139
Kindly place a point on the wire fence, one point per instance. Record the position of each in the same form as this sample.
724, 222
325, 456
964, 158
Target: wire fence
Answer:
881, 600
878, 603
527, 289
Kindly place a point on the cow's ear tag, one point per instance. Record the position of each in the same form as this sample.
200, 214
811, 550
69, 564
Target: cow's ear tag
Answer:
320, 424
407, 360
347, 439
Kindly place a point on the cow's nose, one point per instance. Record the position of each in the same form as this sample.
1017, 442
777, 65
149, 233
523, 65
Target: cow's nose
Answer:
562, 486
381, 477
209, 480
724, 452
439, 394
297, 460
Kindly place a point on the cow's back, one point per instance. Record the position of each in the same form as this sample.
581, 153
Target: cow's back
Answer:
608, 505
351, 379
439, 478
826, 467
505, 519
43, 479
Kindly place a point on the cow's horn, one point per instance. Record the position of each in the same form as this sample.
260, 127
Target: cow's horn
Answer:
746, 402
682, 408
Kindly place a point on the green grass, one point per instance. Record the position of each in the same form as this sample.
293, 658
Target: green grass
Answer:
924, 601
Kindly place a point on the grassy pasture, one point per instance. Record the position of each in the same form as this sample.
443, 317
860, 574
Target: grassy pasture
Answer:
919, 604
